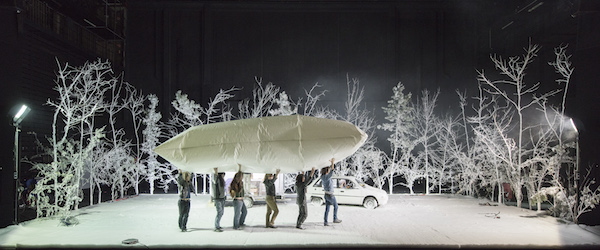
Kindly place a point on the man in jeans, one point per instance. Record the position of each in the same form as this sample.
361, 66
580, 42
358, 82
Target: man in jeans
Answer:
327, 183
219, 198
184, 185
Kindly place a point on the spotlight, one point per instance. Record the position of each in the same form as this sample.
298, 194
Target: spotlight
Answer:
572, 123
21, 114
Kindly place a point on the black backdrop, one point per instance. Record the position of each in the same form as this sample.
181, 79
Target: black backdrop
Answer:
200, 47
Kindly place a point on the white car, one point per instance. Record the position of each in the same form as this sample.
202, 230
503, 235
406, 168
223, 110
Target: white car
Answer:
348, 190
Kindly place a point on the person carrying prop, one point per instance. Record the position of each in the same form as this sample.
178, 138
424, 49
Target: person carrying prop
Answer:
326, 174
218, 197
269, 182
184, 185
301, 183
236, 189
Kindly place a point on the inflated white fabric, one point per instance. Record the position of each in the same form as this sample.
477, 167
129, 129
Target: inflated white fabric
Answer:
262, 145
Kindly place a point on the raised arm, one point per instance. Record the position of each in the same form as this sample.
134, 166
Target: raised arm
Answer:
332, 163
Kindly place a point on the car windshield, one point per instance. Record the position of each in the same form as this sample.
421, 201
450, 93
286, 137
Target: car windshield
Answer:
362, 184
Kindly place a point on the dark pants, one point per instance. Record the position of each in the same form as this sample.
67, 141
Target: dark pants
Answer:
303, 213
184, 212
239, 213
330, 200
220, 205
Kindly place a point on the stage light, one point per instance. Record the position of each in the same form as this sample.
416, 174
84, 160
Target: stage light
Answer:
572, 123
21, 114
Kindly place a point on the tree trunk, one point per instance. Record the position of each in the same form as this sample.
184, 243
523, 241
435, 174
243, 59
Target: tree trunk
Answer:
440, 184
151, 182
500, 192
99, 192
136, 186
426, 170
519, 195
391, 181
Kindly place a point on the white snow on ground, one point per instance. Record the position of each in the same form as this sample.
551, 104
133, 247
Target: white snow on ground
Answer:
421, 221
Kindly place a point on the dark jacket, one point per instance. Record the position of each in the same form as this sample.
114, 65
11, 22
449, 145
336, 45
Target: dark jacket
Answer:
185, 187
301, 188
218, 187
270, 186
237, 187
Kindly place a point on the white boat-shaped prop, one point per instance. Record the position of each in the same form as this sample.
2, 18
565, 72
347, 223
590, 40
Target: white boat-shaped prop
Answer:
262, 145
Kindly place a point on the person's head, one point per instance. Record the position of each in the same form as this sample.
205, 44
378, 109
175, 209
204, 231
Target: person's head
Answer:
238, 176
324, 170
300, 177
187, 176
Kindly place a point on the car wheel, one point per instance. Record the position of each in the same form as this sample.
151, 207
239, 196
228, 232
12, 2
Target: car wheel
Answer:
316, 201
248, 202
370, 203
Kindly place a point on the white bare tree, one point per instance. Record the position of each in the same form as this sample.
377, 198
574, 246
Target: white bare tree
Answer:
360, 163
375, 161
285, 106
412, 171
425, 132
542, 162
117, 164
310, 103
446, 155
522, 98
482, 167
400, 121
262, 101
151, 134
134, 103
80, 91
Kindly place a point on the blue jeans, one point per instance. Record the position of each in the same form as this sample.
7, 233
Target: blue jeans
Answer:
220, 205
330, 200
239, 215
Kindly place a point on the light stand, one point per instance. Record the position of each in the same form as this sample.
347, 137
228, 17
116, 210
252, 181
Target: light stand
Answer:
576, 174
23, 111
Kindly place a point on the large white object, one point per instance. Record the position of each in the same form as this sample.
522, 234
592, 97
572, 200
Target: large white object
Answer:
262, 145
